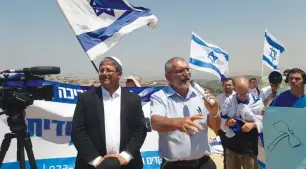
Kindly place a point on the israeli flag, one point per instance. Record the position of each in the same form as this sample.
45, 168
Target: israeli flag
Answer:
208, 58
100, 24
272, 51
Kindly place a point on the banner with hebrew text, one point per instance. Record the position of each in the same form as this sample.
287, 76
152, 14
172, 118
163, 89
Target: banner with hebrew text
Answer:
49, 125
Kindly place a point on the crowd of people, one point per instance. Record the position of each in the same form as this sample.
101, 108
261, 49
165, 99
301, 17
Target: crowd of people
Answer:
108, 127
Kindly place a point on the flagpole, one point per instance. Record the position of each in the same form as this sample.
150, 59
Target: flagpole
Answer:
261, 76
95, 66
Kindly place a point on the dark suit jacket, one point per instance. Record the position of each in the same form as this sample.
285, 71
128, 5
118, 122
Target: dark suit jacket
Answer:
88, 129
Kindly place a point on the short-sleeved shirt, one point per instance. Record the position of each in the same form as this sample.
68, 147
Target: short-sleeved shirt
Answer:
265, 92
286, 99
176, 145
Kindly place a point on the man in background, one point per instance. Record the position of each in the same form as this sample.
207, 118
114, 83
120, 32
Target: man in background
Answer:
253, 88
133, 80
228, 88
269, 93
242, 122
296, 96
285, 73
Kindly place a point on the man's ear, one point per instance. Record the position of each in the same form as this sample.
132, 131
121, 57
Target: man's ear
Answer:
119, 74
167, 76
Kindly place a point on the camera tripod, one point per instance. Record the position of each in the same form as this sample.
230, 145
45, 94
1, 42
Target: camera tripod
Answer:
18, 127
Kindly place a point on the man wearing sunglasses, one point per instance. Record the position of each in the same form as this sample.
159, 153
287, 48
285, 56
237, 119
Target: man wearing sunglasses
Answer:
182, 117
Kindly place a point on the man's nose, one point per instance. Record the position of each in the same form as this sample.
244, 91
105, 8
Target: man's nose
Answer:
186, 72
293, 80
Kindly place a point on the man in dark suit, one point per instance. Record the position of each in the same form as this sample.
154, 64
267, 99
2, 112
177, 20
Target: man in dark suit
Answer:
108, 127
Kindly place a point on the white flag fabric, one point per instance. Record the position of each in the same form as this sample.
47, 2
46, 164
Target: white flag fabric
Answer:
208, 58
272, 51
100, 24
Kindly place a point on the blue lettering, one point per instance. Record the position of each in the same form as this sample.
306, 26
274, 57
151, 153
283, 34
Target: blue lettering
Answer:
68, 128
46, 124
38, 127
58, 127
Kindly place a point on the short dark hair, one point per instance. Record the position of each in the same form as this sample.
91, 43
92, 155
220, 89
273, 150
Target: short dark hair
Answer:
286, 71
296, 70
252, 79
275, 77
227, 79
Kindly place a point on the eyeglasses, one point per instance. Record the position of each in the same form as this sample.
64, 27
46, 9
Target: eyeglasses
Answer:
243, 95
182, 70
107, 71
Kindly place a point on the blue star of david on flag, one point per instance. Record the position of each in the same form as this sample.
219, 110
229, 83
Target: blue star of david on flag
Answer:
208, 57
273, 54
100, 8
101, 24
212, 57
272, 51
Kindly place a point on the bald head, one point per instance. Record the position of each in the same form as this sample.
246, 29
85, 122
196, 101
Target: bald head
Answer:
241, 87
241, 82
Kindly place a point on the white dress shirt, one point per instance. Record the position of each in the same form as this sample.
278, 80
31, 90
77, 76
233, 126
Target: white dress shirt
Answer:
265, 92
254, 92
222, 97
112, 105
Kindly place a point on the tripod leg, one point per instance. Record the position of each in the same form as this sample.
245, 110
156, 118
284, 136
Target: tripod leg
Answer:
5, 146
21, 152
28, 146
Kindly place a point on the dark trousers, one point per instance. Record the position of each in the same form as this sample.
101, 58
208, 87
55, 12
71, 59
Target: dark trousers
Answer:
208, 163
223, 137
237, 161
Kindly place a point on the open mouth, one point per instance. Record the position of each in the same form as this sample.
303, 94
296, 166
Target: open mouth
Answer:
185, 80
106, 80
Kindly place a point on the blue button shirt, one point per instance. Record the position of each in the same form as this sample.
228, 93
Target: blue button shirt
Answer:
176, 145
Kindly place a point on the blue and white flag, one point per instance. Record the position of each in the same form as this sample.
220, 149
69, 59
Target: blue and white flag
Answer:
272, 51
208, 58
100, 24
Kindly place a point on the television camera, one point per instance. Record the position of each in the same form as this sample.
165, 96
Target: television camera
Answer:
17, 92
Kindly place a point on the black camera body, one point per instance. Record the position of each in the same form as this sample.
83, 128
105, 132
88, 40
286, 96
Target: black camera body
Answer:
14, 99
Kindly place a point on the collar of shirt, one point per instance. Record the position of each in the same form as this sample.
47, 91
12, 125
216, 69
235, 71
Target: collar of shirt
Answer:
169, 91
233, 93
245, 102
106, 94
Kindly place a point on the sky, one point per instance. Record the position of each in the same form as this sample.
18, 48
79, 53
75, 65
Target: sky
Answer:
36, 34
